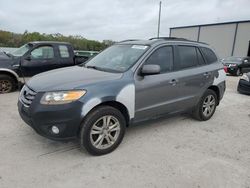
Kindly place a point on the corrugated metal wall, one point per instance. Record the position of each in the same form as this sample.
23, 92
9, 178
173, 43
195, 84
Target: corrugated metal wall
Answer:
187, 33
242, 39
227, 39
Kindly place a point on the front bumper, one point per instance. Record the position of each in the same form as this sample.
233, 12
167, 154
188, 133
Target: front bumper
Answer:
244, 87
41, 118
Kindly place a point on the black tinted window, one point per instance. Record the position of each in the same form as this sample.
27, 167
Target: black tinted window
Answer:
162, 57
209, 55
188, 57
200, 58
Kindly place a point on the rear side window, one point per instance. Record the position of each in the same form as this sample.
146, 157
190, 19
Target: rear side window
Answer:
163, 57
187, 57
64, 51
209, 55
200, 58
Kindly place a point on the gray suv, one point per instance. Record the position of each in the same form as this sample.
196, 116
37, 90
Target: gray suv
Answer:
129, 82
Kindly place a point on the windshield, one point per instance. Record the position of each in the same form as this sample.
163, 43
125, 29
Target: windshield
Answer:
117, 58
21, 51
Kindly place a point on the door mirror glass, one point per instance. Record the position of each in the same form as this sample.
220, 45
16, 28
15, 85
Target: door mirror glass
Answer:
150, 69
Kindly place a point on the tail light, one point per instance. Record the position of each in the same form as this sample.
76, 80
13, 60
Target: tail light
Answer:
225, 69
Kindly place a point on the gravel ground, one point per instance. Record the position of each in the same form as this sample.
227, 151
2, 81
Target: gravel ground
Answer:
174, 152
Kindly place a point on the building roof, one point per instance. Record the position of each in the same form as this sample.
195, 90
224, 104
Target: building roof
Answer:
211, 24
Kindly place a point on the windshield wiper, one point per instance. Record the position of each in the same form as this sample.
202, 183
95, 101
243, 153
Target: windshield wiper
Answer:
6, 54
92, 67
102, 69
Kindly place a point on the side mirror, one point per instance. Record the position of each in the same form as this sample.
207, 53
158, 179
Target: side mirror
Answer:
150, 69
28, 58
246, 61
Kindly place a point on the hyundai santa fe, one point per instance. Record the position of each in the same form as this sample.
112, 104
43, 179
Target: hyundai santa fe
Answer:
129, 82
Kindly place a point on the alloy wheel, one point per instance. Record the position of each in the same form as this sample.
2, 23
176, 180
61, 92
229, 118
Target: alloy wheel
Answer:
105, 132
208, 105
5, 86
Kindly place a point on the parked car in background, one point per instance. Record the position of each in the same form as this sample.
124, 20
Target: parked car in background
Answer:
237, 65
34, 58
87, 54
129, 82
244, 84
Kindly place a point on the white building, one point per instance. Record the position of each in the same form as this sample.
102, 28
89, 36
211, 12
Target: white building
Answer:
228, 39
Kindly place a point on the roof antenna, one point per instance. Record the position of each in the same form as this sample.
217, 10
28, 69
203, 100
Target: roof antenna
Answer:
159, 20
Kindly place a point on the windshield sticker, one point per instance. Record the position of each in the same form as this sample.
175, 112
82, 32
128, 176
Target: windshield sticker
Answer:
140, 47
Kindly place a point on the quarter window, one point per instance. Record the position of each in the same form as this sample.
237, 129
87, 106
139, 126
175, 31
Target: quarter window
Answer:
209, 55
64, 51
162, 57
187, 57
200, 58
43, 52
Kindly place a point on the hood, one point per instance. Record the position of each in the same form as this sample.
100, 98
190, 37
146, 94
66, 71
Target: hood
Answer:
69, 78
6, 61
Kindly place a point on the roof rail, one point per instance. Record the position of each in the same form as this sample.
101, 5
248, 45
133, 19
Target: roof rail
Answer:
128, 40
176, 38
167, 38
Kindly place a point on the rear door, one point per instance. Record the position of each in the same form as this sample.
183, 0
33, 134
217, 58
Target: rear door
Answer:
40, 59
192, 75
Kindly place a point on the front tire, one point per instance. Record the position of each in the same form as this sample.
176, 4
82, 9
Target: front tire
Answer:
7, 84
206, 106
102, 130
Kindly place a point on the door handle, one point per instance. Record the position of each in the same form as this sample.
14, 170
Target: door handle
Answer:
173, 82
207, 74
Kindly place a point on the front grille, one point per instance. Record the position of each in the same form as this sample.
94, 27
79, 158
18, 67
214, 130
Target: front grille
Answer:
27, 95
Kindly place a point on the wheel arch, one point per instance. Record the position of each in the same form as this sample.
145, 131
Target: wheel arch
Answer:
113, 103
217, 91
10, 73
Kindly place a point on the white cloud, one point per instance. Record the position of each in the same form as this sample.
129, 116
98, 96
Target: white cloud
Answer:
115, 19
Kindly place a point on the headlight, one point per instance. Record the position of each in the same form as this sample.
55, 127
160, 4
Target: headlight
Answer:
62, 97
245, 77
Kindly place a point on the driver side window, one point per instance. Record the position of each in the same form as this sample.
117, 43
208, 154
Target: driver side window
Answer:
43, 52
163, 57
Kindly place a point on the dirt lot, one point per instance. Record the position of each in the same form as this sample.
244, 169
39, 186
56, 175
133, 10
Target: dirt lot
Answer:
175, 152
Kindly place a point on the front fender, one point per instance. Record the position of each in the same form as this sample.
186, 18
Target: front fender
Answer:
126, 96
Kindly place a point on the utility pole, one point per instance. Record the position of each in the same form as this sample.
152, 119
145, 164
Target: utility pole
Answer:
159, 20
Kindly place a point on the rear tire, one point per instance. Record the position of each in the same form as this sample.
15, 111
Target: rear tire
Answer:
102, 130
238, 72
206, 106
7, 84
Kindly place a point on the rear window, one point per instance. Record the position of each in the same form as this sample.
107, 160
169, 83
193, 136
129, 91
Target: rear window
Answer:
64, 52
188, 57
209, 55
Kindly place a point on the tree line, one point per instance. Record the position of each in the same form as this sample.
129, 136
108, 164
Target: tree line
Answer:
9, 39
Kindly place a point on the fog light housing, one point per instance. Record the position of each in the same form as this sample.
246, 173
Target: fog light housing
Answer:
55, 130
